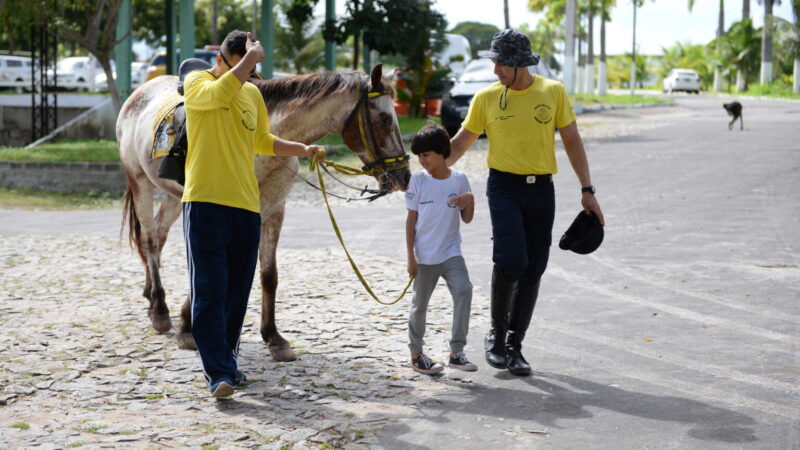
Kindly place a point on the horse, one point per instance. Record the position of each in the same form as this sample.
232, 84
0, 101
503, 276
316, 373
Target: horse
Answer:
303, 108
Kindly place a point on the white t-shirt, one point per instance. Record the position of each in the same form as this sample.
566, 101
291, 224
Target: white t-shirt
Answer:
437, 236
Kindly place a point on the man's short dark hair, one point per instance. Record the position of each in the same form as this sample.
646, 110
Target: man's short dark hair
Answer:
431, 138
235, 43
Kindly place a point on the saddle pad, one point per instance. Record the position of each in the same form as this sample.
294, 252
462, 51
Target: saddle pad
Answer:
163, 132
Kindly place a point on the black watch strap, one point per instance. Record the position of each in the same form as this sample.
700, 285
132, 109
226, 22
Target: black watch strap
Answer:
588, 188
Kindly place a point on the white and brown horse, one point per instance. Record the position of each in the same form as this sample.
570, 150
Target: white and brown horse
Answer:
305, 108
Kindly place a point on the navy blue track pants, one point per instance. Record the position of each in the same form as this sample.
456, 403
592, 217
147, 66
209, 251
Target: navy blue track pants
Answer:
522, 224
221, 250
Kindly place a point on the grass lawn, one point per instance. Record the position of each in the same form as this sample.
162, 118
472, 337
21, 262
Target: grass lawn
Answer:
48, 200
611, 99
91, 150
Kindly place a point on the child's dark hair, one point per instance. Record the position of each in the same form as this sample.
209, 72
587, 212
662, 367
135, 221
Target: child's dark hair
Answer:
431, 138
235, 43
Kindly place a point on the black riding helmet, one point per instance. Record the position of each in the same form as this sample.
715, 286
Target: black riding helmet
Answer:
584, 235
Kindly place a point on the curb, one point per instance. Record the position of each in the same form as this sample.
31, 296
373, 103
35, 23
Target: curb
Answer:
63, 176
598, 108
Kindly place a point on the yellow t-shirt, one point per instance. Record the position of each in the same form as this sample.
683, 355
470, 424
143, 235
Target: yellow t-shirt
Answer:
522, 136
227, 123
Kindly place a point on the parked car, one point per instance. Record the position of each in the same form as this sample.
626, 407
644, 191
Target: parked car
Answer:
15, 72
682, 80
478, 74
456, 54
76, 72
158, 65
138, 74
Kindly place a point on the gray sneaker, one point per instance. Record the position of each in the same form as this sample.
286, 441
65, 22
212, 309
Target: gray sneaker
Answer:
423, 364
459, 361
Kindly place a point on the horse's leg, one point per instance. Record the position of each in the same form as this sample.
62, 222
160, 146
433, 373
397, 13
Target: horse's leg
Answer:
168, 213
271, 223
149, 250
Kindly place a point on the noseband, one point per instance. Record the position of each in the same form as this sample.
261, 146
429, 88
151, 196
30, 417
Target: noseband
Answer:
361, 112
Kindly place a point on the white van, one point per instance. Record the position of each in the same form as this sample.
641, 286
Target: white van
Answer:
79, 72
15, 72
455, 55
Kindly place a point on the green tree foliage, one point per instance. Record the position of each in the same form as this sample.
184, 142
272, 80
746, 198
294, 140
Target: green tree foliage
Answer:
300, 42
393, 27
740, 49
619, 70
544, 39
149, 23
478, 34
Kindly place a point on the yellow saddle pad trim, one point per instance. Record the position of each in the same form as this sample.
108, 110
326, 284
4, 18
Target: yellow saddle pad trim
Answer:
163, 116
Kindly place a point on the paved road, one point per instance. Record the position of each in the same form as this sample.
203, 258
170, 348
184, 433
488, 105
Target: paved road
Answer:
680, 332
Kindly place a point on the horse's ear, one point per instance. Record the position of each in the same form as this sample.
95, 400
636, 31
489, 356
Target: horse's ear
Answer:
375, 78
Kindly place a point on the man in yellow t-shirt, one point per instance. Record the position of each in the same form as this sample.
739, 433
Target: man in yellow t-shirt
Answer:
520, 114
226, 123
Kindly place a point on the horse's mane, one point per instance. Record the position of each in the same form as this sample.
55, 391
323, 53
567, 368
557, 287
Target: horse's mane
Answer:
307, 89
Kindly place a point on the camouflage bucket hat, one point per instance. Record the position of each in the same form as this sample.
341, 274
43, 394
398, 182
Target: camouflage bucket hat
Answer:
511, 48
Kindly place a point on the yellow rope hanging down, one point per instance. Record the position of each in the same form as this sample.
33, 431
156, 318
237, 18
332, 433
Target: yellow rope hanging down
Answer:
314, 166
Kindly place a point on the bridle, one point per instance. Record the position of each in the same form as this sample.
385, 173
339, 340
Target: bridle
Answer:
378, 166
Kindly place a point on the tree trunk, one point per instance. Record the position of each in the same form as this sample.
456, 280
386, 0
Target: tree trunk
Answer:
214, 19
633, 54
720, 31
601, 76
796, 84
766, 44
581, 67
356, 50
569, 51
741, 80
590, 55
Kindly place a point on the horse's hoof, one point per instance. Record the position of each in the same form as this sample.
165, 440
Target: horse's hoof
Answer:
161, 322
282, 352
186, 341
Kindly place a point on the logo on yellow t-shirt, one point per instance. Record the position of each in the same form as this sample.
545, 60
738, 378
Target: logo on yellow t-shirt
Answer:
249, 120
543, 113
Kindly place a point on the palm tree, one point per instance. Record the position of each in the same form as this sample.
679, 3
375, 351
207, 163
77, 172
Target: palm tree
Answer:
741, 80
605, 16
788, 36
739, 47
590, 49
720, 32
766, 42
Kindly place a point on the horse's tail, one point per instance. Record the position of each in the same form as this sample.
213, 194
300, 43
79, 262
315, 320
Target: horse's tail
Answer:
129, 215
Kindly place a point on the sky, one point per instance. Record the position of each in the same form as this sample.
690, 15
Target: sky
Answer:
659, 23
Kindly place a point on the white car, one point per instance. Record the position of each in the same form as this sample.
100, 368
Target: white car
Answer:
138, 74
682, 80
79, 72
15, 72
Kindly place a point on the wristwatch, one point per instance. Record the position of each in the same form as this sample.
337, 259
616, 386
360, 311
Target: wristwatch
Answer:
588, 188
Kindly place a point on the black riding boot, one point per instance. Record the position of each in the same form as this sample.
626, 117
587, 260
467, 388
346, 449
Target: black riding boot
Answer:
521, 312
495, 340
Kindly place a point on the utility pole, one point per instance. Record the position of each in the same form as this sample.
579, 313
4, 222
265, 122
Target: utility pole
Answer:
569, 48
187, 29
123, 53
505, 12
267, 39
633, 53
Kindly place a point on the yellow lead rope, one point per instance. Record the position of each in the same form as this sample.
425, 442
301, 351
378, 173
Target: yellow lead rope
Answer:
314, 166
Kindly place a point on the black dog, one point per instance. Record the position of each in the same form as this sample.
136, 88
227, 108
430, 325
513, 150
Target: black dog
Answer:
734, 109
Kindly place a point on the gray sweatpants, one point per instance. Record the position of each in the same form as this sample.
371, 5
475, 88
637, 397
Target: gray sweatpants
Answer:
454, 272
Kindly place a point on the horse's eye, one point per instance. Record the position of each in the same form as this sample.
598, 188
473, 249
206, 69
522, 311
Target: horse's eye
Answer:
386, 120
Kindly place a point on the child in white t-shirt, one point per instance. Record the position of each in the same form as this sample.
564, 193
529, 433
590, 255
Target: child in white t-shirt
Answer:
437, 199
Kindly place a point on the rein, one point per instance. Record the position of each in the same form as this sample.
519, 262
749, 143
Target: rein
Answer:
315, 165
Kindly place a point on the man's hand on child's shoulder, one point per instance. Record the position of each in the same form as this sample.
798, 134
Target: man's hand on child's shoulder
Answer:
462, 201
